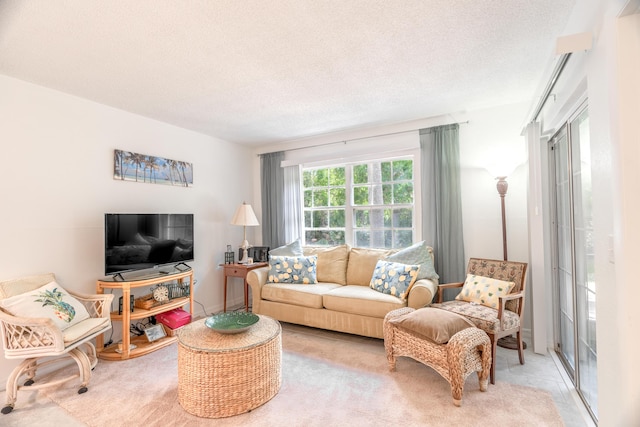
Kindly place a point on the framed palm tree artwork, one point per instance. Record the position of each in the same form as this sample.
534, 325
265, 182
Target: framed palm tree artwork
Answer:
129, 166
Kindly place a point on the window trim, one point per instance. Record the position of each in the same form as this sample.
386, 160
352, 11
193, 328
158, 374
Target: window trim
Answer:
413, 153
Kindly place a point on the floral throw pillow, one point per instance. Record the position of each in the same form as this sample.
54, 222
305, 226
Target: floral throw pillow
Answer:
49, 301
484, 290
293, 269
394, 278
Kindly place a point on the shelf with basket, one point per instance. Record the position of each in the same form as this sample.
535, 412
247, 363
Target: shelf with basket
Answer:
168, 292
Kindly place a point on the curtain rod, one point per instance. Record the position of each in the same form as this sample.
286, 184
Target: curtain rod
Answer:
362, 137
550, 85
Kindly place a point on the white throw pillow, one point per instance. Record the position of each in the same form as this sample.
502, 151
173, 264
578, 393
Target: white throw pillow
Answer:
50, 301
417, 254
292, 249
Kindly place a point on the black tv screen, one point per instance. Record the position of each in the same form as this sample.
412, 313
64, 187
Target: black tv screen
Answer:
141, 241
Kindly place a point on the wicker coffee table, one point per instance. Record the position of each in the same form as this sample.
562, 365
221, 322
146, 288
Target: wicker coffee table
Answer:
220, 375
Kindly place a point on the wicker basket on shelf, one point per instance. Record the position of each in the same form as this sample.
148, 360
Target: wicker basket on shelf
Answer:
146, 302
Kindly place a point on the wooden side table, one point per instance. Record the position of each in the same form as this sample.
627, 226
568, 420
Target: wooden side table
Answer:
240, 270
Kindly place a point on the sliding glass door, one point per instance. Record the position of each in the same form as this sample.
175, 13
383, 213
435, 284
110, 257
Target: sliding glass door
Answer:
573, 259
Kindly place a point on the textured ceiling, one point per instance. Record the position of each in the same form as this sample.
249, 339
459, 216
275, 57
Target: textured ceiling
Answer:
259, 71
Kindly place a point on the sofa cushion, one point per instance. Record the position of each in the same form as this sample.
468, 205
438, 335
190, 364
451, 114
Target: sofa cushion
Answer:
292, 249
433, 324
298, 269
484, 290
394, 278
332, 263
418, 254
362, 300
306, 296
362, 262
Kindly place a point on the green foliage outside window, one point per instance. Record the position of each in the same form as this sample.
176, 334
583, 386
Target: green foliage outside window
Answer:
337, 197
320, 198
378, 196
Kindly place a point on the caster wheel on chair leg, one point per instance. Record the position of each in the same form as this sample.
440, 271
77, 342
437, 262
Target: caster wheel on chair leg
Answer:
7, 409
82, 390
27, 383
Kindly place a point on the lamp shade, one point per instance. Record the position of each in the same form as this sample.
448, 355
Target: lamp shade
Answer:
245, 216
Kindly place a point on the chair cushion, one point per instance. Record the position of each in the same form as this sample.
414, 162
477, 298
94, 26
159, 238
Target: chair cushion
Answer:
483, 317
394, 278
298, 269
418, 254
433, 324
484, 290
84, 328
49, 301
332, 263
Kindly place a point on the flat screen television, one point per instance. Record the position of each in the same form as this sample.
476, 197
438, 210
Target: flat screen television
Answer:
142, 241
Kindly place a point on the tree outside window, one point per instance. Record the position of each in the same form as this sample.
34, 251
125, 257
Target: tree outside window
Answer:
369, 204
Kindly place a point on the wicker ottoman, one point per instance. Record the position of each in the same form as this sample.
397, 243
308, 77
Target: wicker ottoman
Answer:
220, 375
466, 352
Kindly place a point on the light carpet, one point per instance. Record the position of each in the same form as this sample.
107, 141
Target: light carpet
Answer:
327, 380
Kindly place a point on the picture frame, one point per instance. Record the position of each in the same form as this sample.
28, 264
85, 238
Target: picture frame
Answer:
259, 253
155, 332
130, 166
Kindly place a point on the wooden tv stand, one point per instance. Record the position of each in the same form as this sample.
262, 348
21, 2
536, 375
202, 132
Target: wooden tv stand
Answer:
143, 346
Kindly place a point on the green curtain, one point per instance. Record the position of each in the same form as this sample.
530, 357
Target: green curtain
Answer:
442, 201
272, 187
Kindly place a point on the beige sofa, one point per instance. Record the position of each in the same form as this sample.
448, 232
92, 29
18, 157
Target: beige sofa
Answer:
342, 299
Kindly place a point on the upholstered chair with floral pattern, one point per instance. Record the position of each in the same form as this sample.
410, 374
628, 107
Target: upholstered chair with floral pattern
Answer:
492, 297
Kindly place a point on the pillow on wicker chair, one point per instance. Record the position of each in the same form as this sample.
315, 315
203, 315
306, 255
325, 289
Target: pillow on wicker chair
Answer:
433, 324
50, 301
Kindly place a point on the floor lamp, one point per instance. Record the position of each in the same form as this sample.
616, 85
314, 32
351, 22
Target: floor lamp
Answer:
507, 342
502, 187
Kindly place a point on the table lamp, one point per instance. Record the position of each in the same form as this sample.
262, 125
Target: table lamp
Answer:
246, 217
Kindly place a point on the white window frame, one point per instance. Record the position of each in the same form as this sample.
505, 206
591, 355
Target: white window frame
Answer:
349, 229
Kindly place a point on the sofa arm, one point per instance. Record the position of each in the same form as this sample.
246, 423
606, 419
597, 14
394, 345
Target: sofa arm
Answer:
421, 293
256, 279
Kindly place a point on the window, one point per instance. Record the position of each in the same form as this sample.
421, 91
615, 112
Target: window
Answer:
366, 204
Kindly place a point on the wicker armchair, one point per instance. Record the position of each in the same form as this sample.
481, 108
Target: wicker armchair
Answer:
34, 339
467, 351
507, 319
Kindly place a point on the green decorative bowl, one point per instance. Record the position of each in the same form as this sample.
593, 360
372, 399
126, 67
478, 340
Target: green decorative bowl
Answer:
231, 323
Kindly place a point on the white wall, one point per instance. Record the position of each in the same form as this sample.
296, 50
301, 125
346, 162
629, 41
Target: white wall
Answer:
607, 76
495, 135
57, 183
